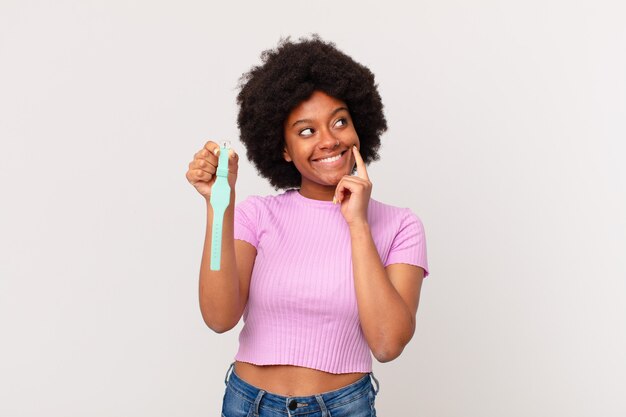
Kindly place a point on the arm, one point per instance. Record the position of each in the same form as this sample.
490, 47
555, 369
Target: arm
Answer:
387, 298
223, 294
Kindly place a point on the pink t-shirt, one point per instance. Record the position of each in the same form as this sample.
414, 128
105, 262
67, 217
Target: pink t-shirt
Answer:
302, 307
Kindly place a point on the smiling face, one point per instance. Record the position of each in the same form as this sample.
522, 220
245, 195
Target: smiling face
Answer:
319, 136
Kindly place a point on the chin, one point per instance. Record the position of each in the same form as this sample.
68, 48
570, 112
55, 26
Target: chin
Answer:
335, 181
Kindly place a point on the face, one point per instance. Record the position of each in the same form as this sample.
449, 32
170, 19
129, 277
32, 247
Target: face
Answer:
319, 136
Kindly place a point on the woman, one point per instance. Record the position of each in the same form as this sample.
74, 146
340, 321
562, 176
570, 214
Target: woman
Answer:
321, 273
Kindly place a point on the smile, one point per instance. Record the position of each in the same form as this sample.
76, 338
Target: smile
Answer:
331, 159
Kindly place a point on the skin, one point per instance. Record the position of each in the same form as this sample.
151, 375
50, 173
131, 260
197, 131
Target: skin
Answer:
387, 298
318, 128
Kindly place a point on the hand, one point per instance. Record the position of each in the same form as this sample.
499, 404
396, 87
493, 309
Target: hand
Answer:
201, 172
353, 192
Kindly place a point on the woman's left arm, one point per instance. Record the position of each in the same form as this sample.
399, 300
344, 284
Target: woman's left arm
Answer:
387, 298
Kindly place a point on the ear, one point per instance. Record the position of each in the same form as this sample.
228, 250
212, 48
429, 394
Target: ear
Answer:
286, 155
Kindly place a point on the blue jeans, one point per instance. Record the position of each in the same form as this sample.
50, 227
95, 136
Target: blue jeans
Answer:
244, 400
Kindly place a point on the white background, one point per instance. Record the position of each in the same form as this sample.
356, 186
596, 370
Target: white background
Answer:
507, 130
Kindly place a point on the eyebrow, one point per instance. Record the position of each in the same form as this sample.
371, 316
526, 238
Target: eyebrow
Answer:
334, 112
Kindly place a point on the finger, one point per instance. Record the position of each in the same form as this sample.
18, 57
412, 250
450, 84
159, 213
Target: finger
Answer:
201, 175
233, 160
196, 175
212, 147
200, 161
211, 151
203, 165
356, 180
341, 190
361, 172
232, 154
338, 197
350, 184
208, 158
206, 155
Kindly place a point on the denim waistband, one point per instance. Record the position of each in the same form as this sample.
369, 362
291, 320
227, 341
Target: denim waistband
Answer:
304, 404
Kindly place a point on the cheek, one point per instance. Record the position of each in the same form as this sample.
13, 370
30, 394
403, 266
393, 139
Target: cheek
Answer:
355, 138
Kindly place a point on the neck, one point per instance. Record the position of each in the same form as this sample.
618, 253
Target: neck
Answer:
322, 193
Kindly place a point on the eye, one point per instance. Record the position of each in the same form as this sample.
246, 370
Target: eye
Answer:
341, 122
306, 132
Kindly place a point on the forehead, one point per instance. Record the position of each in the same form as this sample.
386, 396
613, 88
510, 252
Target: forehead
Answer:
319, 104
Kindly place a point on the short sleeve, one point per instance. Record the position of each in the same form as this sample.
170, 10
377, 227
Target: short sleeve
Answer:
409, 244
246, 221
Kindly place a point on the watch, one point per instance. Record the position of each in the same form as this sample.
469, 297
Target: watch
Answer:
220, 198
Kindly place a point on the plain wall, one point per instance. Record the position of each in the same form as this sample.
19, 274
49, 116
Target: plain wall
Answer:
506, 137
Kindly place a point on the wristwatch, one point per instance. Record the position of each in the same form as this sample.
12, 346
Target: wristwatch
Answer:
220, 198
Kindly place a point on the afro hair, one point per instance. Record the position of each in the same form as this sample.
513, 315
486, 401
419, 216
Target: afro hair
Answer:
288, 76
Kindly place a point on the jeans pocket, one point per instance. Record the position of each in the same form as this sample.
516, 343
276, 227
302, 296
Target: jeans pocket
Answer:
372, 399
234, 405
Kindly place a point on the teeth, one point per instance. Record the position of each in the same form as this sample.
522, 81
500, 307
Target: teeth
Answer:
333, 159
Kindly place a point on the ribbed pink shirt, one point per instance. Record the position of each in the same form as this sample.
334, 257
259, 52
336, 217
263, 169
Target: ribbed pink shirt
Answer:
302, 307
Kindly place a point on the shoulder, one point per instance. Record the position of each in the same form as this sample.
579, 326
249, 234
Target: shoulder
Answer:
405, 234
397, 223
265, 200
392, 214
259, 204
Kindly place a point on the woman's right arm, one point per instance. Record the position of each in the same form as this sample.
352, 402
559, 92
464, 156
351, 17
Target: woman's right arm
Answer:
224, 293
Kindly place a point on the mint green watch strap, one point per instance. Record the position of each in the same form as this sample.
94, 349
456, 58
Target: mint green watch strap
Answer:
220, 198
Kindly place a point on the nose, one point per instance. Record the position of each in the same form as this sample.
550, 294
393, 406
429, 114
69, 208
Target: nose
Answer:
327, 140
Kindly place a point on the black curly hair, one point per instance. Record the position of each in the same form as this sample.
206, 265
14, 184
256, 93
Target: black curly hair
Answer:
289, 75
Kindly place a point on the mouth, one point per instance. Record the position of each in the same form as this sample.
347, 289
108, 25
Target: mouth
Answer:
331, 160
